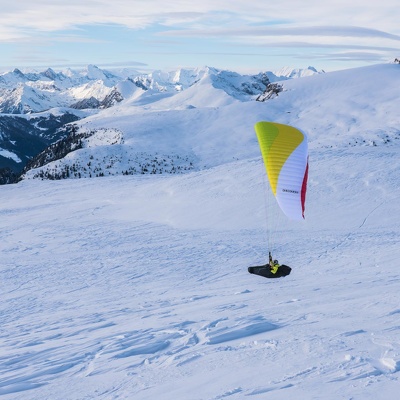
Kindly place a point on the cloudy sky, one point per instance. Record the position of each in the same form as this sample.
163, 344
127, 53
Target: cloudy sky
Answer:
240, 35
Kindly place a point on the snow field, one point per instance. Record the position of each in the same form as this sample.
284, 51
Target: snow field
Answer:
108, 298
137, 287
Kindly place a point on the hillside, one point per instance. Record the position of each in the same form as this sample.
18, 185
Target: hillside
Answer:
136, 286
36, 106
208, 124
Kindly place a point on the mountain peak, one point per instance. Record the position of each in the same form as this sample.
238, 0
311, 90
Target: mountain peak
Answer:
94, 72
49, 73
18, 73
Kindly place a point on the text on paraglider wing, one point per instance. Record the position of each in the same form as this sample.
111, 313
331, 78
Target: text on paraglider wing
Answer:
289, 191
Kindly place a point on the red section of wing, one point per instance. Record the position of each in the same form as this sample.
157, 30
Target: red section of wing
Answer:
304, 190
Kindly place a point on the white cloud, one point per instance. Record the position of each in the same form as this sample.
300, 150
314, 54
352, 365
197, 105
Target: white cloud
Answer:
350, 26
46, 15
282, 31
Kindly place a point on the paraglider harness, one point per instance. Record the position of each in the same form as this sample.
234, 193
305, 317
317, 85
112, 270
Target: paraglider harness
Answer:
271, 269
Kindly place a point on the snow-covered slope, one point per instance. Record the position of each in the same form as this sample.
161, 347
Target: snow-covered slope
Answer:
208, 127
288, 72
93, 89
137, 287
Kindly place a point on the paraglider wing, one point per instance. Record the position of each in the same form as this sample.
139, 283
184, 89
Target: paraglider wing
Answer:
285, 153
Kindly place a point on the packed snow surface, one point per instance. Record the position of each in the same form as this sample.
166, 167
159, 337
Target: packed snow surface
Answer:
136, 287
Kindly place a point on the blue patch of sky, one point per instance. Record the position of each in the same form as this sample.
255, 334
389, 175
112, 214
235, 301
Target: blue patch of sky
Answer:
149, 46
89, 44
115, 43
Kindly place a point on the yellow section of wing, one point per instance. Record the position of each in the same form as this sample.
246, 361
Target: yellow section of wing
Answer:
277, 142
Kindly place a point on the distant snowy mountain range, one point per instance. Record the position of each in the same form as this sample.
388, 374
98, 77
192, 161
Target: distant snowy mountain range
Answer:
32, 92
35, 106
